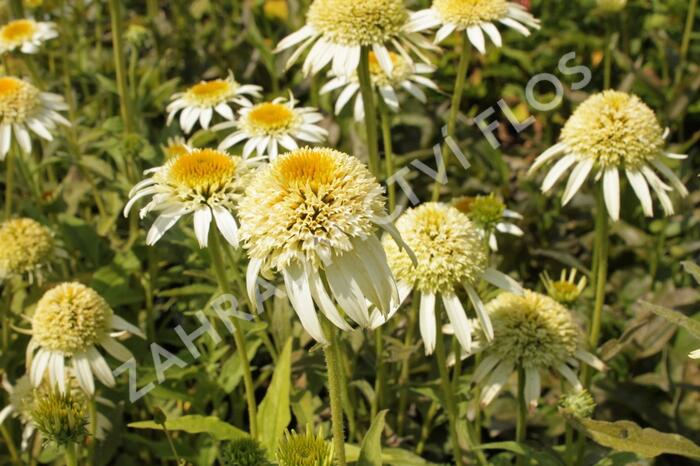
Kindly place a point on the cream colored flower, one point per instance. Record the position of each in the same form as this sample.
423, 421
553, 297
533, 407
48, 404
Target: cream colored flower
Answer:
267, 126
22, 108
312, 215
69, 322
609, 133
450, 254
489, 213
336, 31
537, 333
204, 182
404, 75
475, 17
565, 290
25, 34
199, 102
26, 248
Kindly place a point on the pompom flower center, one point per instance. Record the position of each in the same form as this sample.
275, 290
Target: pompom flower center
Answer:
401, 70
358, 22
203, 170
70, 318
486, 211
270, 118
18, 100
446, 243
614, 129
18, 31
24, 246
533, 329
307, 168
210, 93
467, 13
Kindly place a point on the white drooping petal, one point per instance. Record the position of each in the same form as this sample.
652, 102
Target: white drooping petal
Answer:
202, 221
428, 326
578, 176
611, 192
299, 294
532, 387
81, 365
458, 317
641, 189
226, 225
482, 314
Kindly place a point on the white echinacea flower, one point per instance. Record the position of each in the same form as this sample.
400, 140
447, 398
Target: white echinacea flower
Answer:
23, 108
337, 30
70, 321
204, 182
25, 34
404, 75
269, 126
312, 215
490, 214
609, 133
200, 101
475, 17
450, 253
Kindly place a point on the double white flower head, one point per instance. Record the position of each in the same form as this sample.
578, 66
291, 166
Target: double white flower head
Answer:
26, 35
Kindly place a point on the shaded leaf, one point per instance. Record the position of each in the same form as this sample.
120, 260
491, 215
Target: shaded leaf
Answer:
196, 424
274, 412
371, 449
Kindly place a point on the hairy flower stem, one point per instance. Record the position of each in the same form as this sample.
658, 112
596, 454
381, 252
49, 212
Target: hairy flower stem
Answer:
405, 374
368, 100
93, 430
379, 379
388, 154
607, 71
119, 64
334, 392
9, 443
685, 43
521, 423
9, 182
71, 456
451, 404
460, 80
220, 271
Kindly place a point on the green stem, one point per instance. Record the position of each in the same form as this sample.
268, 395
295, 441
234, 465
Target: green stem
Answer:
388, 153
607, 73
521, 423
93, 430
17, 9
405, 375
379, 380
172, 445
152, 9
460, 80
10, 444
568, 452
451, 405
334, 392
119, 65
71, 457
601, 244
685, 44
220, 271
9, 182
368, 100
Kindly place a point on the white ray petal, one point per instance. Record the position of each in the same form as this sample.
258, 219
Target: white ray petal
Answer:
578, 176
611, 192
458, 317
300, 296
482, 314
428, 329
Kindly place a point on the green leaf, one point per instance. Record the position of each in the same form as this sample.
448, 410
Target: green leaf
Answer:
534, 455
675, 317
629, 437
196, 424
693, 269
371, 449
274, 412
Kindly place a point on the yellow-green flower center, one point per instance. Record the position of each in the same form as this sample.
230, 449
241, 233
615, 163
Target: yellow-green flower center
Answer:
18, 100
533, 329
400, 72
358, 22
71, 318
269, 118
614, 129
25, 246
210, 93
18, 31
465, 13
446, 243
203, 170
485, 211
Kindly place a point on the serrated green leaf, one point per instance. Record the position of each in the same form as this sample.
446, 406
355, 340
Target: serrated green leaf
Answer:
196, 424
629, 437
274, 412
371, 449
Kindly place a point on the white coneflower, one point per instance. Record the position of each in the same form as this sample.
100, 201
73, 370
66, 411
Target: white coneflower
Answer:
490, 214
450, 253
204, 182
565, 290
609, 133
533, 332
404, 75
312, 215
25, 34
22, 108
69, 322
267, 126
26, 248
336, 31
201, 101
21, 396
475, 17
